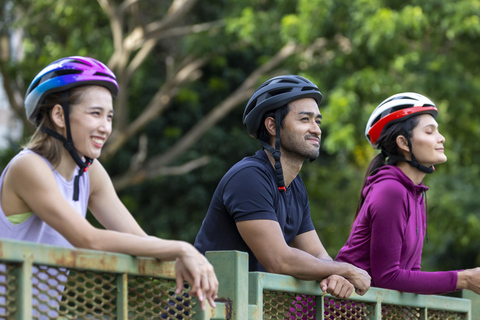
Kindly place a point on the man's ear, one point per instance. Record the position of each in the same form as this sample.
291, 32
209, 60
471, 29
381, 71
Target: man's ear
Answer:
402, 143
270, 125
58, 116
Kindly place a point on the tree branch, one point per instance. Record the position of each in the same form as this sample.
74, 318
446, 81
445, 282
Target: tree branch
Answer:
144, 39
15, 97
157, 105
116, 22
177, 11
242, 93
186, 30
139, 176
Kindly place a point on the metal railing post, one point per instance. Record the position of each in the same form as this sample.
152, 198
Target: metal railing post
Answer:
122, 296
231, 268
24, 296
475, 298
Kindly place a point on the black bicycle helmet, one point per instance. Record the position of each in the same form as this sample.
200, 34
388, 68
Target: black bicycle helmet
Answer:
276, 93
272, 95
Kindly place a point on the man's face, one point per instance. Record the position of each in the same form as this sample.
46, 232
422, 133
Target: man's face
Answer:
300, 134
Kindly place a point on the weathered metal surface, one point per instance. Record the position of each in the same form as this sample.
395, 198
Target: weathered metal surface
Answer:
9, 291
39, 280
296, 296
475, 298
231, 268
227, 305
16, 251
47, 282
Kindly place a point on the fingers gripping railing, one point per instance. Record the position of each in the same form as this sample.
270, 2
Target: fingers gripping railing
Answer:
273, 296
47, 282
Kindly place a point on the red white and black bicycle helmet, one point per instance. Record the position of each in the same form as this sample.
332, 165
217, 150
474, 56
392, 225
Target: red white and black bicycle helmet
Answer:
272, 95
60, 76
398, 108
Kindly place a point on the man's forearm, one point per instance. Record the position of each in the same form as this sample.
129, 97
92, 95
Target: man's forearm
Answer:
305, 266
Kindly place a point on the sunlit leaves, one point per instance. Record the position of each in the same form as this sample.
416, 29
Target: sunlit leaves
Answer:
360, 52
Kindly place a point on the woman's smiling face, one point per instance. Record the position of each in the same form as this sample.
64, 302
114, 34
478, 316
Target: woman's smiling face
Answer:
91, 121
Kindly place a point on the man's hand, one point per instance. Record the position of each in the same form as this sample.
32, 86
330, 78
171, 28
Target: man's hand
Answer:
360, 279
337, 286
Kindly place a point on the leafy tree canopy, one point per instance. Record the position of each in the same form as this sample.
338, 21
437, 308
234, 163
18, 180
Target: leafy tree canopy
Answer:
186, 68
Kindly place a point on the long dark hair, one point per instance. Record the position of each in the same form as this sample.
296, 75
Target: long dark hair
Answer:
387, 143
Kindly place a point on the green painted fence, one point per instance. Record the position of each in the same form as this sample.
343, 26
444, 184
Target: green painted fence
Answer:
47, 282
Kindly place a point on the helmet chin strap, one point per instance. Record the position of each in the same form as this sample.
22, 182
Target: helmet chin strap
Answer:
414, 163
276, 153
68, 144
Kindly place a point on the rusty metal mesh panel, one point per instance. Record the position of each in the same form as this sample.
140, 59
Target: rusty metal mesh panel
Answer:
284, 305
154, 298
445, 315
8, 290
346, 309
73, 294
393, 312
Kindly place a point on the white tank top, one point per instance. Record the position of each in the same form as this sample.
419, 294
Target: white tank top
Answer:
34, 229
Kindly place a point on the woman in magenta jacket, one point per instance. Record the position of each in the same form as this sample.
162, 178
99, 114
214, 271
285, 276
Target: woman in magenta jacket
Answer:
390, 221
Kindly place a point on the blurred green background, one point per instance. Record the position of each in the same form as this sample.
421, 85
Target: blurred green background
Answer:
186, 69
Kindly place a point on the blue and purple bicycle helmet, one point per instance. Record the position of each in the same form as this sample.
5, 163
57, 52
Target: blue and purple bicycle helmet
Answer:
64, 74
59, 77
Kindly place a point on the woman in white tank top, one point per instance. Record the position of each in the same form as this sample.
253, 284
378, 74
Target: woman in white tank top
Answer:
46, 188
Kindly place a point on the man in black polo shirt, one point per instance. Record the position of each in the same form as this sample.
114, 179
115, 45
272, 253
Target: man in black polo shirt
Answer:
261, 205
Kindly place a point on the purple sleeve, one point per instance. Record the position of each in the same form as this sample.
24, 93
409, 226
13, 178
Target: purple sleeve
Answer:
389, 221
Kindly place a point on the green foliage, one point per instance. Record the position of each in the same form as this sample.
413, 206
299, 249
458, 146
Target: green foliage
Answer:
359, 53
55, 29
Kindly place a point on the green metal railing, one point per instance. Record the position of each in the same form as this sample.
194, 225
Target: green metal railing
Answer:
47, 282
273, 296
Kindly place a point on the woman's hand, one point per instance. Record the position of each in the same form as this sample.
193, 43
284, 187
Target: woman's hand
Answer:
469, 279
194, 268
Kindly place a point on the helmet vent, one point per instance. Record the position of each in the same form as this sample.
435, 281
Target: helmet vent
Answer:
391, 110
78, 61
280, 91
287, 81
309, 89
104, 75
51, 75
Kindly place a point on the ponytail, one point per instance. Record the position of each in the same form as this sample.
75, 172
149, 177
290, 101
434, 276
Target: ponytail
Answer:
377, 162
388, 145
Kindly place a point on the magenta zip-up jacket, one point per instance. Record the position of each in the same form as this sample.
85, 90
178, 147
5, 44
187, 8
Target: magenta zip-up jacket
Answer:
387, 236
